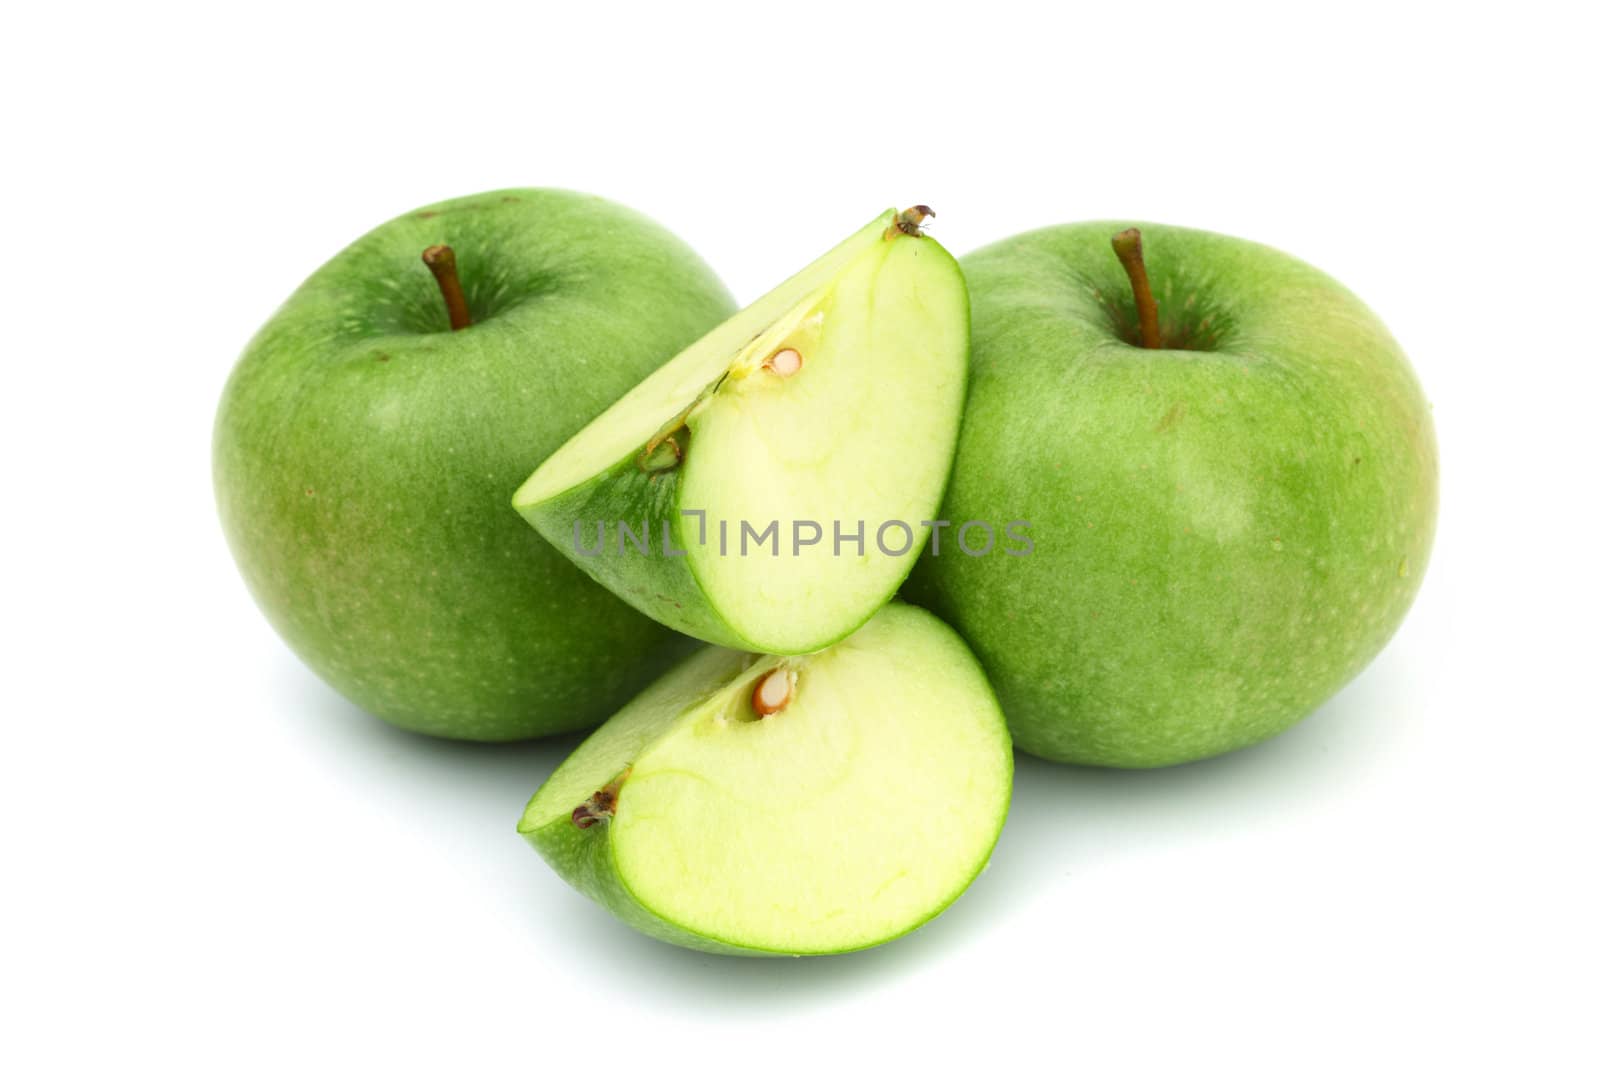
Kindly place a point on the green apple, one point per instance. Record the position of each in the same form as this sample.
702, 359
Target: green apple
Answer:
1231, 501
771, 486
364, 450
751, 804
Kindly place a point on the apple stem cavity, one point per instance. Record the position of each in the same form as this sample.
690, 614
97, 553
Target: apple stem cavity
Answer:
441, 261
774, 691
1129, 246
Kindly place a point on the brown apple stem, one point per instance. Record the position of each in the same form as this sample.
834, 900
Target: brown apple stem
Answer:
1129, 246
909, 222
441, 260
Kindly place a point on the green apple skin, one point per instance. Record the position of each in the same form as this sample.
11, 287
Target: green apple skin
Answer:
363, 455
1225, 534
583, 858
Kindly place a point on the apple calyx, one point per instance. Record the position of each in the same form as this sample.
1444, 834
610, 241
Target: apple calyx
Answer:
602, 805
774, 691
1129, 247
909, 222
441, 261
598, 808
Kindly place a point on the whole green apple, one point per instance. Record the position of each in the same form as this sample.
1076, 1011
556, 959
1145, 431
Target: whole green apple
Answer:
372, 434
1231, 501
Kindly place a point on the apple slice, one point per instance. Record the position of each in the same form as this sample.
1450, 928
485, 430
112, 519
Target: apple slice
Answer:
807, 805
770, 487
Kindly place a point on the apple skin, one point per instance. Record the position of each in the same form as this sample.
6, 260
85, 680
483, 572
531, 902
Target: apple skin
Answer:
1224, 537
364, 457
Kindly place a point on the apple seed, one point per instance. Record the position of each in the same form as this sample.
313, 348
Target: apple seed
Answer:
785, 363
773, 693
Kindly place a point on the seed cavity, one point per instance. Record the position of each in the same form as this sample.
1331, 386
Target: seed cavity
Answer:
659, 455
785, 363
774, 691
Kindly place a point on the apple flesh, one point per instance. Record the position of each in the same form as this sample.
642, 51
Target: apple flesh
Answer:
750, 804
776, 478
364, 451
1227, 528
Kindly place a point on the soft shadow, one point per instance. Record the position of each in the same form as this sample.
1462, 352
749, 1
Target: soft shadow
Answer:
651, 971
468, 774
1062, 819
1066, 818
482, 789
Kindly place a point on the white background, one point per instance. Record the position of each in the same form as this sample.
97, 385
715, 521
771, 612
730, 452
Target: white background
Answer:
212, 858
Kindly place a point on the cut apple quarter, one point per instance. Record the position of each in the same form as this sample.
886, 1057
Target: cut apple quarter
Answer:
752, 804
770, 487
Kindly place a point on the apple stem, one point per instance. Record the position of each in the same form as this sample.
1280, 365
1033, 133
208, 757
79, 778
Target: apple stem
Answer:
1129, 246
909, 221
441, 260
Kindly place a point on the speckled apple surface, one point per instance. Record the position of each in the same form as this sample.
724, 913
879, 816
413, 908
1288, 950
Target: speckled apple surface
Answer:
364, 457
1226, 529
855, 813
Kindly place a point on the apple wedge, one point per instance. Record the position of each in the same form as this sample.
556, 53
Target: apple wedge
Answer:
749, 804
770, 487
